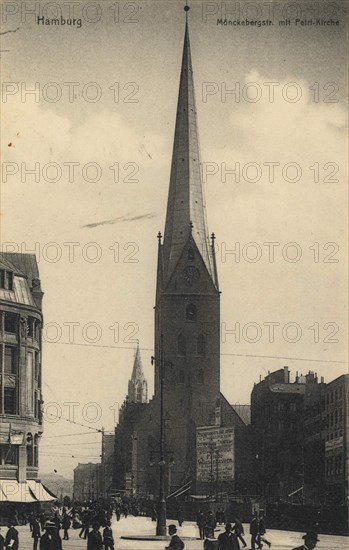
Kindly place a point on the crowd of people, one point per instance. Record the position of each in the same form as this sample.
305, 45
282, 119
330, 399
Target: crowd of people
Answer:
93, 523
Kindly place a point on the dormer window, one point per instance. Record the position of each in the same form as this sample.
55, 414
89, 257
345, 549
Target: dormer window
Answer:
6, 279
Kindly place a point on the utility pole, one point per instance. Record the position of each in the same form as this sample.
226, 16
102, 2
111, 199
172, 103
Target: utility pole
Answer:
211, 446
161, 519
217, 470
102, 474
161, 516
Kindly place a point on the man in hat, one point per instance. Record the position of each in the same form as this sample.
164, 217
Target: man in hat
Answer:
50, 540
228, 540
36, 533
254, 531
310, 541
11, 539
238, 529
176, 543
94, 538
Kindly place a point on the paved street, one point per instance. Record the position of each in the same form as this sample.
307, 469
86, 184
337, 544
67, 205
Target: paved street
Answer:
144, 526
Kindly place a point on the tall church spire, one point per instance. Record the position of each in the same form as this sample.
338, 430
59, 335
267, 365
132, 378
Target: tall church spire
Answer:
137, 386
186, 208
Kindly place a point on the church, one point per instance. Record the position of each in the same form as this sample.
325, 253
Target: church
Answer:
187, 340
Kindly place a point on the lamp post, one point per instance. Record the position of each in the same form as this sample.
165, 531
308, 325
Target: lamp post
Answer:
161, 515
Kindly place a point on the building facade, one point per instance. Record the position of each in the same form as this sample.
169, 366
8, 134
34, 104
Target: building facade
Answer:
87, 482
287, 432
21, 399
336, 441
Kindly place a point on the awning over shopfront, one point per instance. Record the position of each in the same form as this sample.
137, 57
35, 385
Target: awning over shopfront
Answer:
27, 492
40, 492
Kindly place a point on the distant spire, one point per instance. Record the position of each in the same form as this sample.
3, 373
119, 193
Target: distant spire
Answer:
185, 207
137, 386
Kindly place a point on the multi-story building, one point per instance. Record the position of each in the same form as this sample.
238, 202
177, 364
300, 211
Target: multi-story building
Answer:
107, 464
287, 435
87, 482
20, 379
314, 440
336, 444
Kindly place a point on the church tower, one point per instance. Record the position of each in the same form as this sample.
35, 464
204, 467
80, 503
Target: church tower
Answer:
137, 385
187, 310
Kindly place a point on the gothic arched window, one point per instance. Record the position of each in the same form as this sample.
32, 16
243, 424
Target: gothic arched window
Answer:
191, 312
30, 457
200, 376
181, 345
201, 345
36, 450
190, 254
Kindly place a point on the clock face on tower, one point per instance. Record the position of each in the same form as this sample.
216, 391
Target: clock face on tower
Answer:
191, 274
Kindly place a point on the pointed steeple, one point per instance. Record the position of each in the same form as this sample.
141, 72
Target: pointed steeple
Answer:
185, 207
137, 386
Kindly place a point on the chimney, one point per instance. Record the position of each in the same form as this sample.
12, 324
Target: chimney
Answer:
37, 292
286, 375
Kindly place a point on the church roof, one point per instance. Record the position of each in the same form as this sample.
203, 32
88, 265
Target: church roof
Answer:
186, 205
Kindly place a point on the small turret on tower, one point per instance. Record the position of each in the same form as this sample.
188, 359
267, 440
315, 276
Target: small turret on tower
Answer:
137, 385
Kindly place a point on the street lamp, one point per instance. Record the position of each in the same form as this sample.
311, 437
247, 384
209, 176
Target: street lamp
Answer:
161, 515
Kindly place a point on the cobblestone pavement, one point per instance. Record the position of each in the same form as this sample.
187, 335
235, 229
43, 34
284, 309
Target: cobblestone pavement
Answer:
280, 540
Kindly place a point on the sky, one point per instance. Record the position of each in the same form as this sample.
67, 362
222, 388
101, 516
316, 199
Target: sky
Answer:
99, 130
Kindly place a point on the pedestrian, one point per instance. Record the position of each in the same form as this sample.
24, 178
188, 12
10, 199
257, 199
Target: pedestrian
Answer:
42, 520
220, 516
176, 543
153, 514
223, 516
2, 541
262, 531
310, 541
228, 540
180, 516
50, 540
66, 524
32, 516
108, 539
254, 531
36, 533
85, 525
117, 512
57, 521
200, 522
125, 509
210, 525
238, 529
94, 539
11, 539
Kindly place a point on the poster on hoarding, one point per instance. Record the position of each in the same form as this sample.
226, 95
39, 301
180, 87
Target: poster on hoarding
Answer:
215, 454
